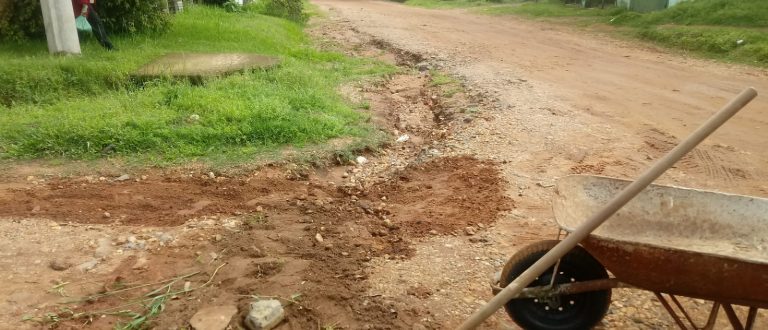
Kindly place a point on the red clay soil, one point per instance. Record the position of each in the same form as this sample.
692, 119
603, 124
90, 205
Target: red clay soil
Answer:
275, 252
156, 202
444, 196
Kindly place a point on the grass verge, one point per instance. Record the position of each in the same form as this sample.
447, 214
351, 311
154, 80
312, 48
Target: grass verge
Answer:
732, 31
454, 3
86, 107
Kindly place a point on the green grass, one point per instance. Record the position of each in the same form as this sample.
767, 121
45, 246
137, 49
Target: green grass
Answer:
74, 107
736, 13
438, 78
447, 85
715, 42
710, 28
455, 3
551, 8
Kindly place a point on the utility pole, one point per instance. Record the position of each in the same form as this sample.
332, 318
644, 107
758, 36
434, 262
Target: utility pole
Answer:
60, 30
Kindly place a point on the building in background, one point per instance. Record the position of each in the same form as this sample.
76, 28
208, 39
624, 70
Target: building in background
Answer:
647, 5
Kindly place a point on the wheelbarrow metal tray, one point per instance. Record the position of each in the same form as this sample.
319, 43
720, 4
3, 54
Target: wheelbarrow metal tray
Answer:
680, 241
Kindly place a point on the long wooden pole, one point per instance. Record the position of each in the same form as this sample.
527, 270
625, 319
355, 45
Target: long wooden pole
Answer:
622, 198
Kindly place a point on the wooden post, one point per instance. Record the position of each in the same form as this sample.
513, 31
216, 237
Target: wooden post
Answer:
60, 30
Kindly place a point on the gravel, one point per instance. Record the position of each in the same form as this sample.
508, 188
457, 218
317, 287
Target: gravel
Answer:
213, 317
264, 314
59, 265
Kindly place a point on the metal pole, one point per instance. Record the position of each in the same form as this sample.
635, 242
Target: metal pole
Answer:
622, 198
60, 30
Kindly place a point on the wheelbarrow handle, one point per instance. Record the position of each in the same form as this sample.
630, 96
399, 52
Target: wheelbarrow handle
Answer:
621, 199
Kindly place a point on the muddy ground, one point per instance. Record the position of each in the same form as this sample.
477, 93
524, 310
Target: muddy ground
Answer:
407, 237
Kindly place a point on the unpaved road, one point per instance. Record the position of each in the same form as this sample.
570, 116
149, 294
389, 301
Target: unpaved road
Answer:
562, 101
643, 93
408, 239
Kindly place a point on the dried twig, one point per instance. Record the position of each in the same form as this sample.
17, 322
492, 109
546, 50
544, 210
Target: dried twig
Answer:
110, 293
156, 299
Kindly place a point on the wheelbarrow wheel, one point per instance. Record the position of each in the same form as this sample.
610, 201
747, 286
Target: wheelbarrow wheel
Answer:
576, 311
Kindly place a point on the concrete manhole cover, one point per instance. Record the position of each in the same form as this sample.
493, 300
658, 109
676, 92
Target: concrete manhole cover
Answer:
197, 66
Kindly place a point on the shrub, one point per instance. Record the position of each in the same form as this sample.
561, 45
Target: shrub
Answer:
134, 15
215, 2
232, 6
22, 19
289, 9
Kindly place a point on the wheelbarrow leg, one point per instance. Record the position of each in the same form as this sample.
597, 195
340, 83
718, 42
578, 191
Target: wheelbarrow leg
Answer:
734, 319
751, 317
735, 322
710, 321
712, 316
671, 311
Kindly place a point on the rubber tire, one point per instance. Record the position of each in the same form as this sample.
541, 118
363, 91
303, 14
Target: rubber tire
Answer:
588, 309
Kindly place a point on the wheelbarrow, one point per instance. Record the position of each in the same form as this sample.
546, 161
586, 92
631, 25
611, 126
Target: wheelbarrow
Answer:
553, 255
667, 240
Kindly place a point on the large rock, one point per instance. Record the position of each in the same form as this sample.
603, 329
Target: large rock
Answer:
264, 314
213, 317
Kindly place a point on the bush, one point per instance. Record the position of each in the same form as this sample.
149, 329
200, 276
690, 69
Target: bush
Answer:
215, 2
289, 9
232, 6
22, 19
134, 16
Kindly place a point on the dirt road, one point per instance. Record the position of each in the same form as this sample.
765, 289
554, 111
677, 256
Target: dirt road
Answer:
405, 237
645, 94
561, 101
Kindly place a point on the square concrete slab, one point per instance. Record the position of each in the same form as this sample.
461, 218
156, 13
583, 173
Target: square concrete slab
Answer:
197, 66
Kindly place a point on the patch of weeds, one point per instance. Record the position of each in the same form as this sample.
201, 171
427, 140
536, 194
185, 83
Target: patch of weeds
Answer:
266, 269
119, 284
331, 326
341, 151
288, 9
446, 84
139, 320
470, 110
452, 90
153, 304
52, 320
438, 78
60, 289
723, 43
259, 221
365, 105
